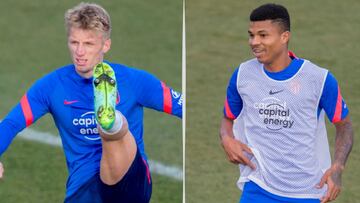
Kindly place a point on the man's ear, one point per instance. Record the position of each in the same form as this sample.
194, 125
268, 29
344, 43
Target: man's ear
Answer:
107, 45
285, 37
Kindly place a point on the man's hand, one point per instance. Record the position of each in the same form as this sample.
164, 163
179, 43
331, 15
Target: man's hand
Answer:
235, 150
1, 170
332, 178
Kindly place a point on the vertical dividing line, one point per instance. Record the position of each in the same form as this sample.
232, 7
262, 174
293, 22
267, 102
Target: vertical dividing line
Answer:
184, 94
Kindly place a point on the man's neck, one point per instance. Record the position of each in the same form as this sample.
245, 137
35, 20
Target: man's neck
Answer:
279, 64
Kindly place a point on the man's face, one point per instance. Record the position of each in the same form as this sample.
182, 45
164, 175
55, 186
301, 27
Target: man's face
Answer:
267, 40
87, 48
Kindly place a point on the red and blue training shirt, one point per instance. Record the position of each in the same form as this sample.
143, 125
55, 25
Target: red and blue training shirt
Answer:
69, 98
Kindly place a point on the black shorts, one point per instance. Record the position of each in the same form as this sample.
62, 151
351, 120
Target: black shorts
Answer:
134, 187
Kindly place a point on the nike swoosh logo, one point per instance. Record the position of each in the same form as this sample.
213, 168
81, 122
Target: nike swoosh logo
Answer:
66, 102
275, 92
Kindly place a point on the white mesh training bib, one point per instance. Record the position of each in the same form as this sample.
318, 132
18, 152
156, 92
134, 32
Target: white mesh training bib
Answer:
279, 123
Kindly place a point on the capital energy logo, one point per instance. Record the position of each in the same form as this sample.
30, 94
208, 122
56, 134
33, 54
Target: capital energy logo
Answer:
86, 124
274, 113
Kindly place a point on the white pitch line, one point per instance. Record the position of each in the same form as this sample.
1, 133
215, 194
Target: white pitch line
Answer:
50, 139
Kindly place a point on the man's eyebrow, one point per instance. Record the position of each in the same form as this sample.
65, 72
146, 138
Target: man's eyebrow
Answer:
259, 32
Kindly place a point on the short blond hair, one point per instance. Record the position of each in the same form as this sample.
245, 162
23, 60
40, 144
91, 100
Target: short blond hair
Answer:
88, 16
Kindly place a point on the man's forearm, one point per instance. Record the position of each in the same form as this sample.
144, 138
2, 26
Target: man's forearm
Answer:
226, 128
343, 141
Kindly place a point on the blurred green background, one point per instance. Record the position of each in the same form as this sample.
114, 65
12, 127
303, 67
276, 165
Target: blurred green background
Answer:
325, 32
146, 35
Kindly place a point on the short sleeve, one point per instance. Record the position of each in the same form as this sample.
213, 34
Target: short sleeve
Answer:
233, 102
332, 101
155, 94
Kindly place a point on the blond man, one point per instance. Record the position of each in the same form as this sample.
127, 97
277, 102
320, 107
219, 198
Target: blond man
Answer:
104, 148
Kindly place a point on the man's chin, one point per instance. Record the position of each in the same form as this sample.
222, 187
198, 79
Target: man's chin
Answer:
83, 69
80, 66
261, 60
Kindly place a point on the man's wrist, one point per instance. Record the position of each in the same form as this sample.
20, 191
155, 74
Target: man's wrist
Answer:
338, 167
225, 139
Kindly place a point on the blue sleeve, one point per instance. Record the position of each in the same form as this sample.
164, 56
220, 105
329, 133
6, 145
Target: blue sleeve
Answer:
155, 94
30, 108
233, 102
332, 101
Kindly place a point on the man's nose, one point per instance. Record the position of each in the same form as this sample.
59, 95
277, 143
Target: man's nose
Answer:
80, 50
253, 41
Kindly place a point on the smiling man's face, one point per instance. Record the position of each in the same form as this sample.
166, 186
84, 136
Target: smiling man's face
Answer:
267, 40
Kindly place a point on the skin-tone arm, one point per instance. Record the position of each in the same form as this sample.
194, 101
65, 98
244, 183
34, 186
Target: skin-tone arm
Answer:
233, 148
343, 144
